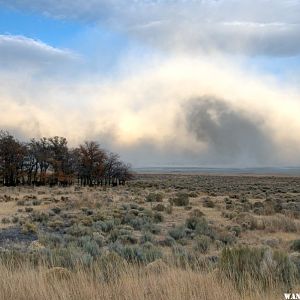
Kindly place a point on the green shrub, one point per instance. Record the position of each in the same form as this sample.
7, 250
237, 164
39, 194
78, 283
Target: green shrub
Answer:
147, 237
68, 257
193, 194
29, 228
228, 238
237, 230
21, 202
177, 233
15, 219
202, 244
87, 221
181, 199
154, 197
28, 209
153, 228
203, 228
38, 216
5, 220
158, 217
90, 246
78, 230
51, 240
296, 245
56, 210
36, 202
140, 254
159, 207
105, 226
207, 202
192, 222
183, 258
295, 258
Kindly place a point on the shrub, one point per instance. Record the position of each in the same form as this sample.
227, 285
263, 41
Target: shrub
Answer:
78, 230
168, 241
56, 210
36, 202
69, 257
192, 222
207, 202
105, 226
169, 209
147, 237
228, 238
51, 240
28, 209
153, 228
245, 266
21, 202
202, 244
37, 216
154, 197
181, 199
193, 194
90, 246
159, 207
15, 219
29, 228
196, 213
140, 254
111, 266
296, 245
203, 228
177, 232
237, 230
56, 224
158, 217
137, 223
5, 220
279, 223
87, 221
99, 239
295, 258
183, 258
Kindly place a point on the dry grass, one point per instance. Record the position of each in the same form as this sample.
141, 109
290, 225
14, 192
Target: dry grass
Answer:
87, 206
27, 283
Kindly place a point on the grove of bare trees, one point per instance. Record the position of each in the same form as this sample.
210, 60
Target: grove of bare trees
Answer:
49, 161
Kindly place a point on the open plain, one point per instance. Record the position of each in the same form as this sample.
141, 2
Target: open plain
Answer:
206, 236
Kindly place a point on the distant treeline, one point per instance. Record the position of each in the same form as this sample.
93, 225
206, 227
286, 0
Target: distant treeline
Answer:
49, 161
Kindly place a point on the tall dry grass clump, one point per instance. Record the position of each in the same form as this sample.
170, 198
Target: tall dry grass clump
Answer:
134, 283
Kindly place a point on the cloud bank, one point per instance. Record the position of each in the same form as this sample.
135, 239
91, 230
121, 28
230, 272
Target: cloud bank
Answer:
178, 111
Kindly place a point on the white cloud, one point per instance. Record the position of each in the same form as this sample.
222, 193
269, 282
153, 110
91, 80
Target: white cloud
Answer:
20, 52
269, 27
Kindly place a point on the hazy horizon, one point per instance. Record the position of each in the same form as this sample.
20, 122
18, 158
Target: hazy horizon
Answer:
198, 83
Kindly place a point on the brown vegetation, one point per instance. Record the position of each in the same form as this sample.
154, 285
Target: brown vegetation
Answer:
158, 237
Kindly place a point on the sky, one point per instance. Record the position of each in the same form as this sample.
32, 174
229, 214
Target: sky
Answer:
161, 82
